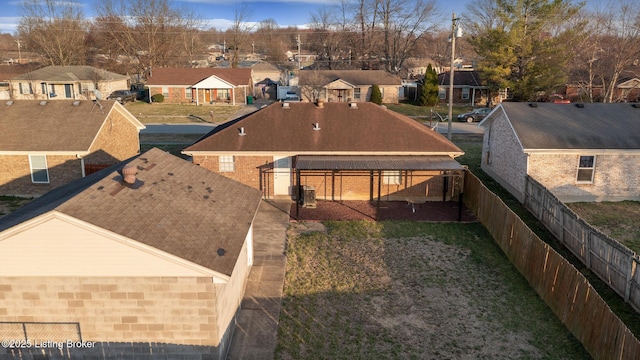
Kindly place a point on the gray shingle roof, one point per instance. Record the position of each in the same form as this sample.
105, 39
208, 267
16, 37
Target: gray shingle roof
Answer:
66, 74
179, 208
567, 126
353, 77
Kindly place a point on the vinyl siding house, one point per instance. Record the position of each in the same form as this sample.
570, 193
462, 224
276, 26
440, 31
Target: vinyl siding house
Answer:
66, 82
201, 85
356, 151
46, 144
348, 85
154, 267
626, 89
580, 152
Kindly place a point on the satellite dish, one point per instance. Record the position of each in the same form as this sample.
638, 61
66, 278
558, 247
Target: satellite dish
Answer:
97, 94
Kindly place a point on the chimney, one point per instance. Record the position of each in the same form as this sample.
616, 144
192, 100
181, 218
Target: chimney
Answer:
320, 103
129, 173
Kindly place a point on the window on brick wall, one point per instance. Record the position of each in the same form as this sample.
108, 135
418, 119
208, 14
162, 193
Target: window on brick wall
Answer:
165, 91
226, 163
442, 93
39, 170
465, 93
586, 169
392, 177
187, 93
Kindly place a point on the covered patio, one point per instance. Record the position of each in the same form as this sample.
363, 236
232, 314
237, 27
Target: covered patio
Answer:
408, 179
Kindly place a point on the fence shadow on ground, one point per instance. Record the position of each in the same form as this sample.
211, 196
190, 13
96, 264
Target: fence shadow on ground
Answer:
565, 290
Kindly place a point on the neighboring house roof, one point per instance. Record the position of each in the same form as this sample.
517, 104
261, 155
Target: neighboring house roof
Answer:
264, 66
461, 78
366, 129
67, 74
355, 77
549, 126
190, 76
175, 206
61, 126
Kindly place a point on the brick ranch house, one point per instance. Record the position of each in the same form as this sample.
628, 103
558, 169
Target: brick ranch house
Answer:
46, 144
348, 85
201, 85
344, 151
580, 152
155, 267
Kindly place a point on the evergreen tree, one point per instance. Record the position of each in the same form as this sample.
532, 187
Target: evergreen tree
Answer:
429, 91
376, 95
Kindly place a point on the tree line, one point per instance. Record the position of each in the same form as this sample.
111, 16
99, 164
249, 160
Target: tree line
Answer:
531, 47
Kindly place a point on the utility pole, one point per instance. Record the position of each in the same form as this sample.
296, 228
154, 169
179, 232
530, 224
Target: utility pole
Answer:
454, 33
299, 57
19, 53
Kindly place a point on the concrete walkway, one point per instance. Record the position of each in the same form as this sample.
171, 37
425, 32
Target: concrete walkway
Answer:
256, 331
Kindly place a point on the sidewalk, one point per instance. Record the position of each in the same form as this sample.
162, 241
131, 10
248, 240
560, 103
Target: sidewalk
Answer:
256, 330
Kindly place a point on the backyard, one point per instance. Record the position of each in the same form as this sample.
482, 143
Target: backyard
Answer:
358, 290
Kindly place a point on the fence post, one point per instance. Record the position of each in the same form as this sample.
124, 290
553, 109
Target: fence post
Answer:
587, 246
630, 275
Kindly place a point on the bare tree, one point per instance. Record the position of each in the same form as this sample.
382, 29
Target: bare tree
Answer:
239, 31
270, 39
152, 30
55, 29
311, 84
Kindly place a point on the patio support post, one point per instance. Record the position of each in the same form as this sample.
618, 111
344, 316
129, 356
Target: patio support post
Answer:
333, 185
300, 192
379, 192
445, 187
371, 185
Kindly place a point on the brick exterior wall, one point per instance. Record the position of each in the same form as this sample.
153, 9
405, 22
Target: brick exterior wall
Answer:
348, 185
616, 177
503, 157
118, 140
15, 174
177, 95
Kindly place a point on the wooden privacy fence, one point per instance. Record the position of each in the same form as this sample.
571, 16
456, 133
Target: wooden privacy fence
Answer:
611, 261
565, 290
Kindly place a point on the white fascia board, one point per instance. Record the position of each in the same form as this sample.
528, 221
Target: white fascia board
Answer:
584, 151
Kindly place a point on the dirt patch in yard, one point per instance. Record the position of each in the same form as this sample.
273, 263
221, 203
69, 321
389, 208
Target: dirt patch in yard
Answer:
350, 292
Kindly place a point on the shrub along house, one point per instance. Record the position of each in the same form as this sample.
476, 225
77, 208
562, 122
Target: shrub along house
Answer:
201, 85
355, 151
580, 152
151, 258
45, 144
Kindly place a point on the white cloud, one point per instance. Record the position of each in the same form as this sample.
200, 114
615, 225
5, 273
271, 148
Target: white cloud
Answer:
8, 24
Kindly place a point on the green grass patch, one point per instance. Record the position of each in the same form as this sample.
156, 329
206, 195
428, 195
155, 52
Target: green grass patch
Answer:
411, 290
11, 203
181, 113
618, 220
413, 110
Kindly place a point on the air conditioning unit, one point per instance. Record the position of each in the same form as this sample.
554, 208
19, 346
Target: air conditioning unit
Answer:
309, 197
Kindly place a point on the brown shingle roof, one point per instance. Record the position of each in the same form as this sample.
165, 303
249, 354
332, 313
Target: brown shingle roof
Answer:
56, 126
353, 77
70, 74
179, 208
190, 76
369, 128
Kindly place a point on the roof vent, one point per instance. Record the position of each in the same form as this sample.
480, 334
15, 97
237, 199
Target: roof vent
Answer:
353, 105
285, 105
129, 174
533, 105
76, 103
43, 102
580, 105
241, 132
316, 126
9, 103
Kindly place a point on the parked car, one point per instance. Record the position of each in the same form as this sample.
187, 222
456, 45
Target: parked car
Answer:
123, 96
476, 115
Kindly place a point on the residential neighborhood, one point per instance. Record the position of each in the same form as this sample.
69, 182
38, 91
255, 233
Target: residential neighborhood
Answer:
377, 183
